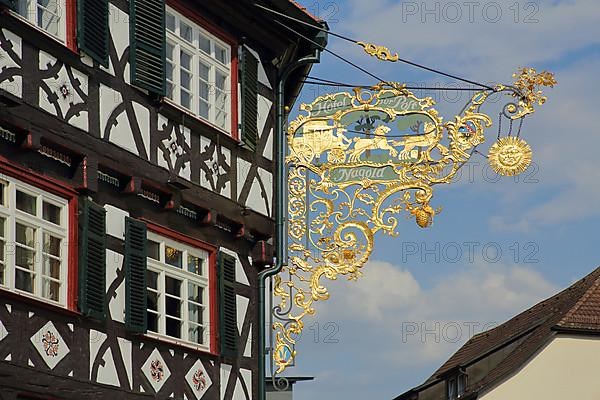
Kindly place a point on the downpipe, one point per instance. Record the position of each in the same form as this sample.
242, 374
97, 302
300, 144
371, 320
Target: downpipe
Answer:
280, 211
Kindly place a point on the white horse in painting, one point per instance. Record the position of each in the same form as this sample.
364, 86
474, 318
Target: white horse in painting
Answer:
378, 142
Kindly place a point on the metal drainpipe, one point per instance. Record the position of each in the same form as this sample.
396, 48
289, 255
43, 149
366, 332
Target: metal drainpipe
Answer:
280, 234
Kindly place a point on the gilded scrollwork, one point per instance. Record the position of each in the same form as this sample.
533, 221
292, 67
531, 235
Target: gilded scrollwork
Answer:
356, 162
381, 52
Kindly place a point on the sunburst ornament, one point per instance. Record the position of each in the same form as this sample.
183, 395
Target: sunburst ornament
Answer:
510, 156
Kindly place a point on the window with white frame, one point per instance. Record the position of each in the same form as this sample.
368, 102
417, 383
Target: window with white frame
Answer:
456, 385
33, 243
177, 279
48, 15
198, 71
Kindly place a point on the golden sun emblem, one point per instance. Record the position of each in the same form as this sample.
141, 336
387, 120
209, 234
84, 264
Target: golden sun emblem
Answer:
510, 156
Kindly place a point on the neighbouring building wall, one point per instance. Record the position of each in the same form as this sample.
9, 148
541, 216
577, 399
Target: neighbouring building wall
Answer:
567, 368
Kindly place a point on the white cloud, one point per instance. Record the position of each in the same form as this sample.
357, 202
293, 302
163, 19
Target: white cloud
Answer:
389, 322
565, 139
563, 132
473, 45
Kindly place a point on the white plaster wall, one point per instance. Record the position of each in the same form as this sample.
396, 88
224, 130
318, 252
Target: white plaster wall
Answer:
567, 368
115, 221
14, 86
264, 106
240, 274
119, 32
54, 83
114, 263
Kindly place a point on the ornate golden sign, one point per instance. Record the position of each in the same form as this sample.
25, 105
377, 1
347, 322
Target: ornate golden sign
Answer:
356, 161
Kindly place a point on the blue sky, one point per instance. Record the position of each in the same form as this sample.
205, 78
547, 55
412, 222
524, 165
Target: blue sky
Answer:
424, 293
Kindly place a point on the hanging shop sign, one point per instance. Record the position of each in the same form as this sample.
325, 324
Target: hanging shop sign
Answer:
357, 161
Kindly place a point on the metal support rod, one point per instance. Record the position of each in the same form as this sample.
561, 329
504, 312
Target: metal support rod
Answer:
280, 209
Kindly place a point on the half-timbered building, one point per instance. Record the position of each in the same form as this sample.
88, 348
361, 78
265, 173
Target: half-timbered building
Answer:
136, 193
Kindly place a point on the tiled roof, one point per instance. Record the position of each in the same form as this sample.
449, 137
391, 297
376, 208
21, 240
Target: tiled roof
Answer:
585, 315
576, 308
304, 10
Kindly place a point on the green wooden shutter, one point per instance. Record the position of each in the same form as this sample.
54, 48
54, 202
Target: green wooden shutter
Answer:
147, 45
249, 99
92, 29
228, 306
135, 275
92, 260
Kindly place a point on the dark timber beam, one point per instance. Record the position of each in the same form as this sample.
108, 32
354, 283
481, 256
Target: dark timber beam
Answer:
121, 161
86, 174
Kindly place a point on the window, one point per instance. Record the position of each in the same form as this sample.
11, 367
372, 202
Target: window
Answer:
33, 241
198, 71
48, 15
456, 386
178, 285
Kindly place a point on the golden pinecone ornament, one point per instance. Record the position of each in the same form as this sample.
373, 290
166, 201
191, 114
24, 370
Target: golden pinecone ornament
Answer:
424, 216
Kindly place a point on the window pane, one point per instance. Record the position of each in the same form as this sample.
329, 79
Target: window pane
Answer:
2, 193
152, 300
186, 60
152, 278
51, 213
461, 383
51, 245
48, 16
204, 90
221, 99
173, 327
170, 51
24, 281
22, 9
195, 313
169, 71
196, 334
153, 250
2, 224
51, 267
452, 389
204, 43
2, 279
195, 264
221, 119
51, 290
186, 80
26, 203
195, 293
152, 321
185, 31
221, 54
170, 22
186, 99
25, 235
25, 258
173, 307
204, 71
2, 251
204, 109
221, 80
173, 286
173, 257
